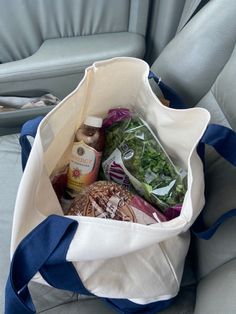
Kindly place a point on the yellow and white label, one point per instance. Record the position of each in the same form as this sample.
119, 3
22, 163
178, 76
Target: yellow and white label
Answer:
84, 166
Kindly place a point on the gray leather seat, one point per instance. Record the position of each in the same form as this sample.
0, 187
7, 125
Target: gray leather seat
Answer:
59, 39
199, 63
47, 45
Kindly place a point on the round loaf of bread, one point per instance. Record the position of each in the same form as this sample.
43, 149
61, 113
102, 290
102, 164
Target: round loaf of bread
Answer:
104, 199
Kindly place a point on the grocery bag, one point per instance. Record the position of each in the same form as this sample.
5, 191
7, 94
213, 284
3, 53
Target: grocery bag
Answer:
135, 268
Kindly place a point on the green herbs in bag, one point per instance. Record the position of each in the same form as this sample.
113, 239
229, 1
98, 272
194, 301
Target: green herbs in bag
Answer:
134, 158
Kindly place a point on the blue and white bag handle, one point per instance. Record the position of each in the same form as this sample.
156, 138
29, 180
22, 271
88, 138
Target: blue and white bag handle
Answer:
56, 233
222, 139
49, 259
169, 94
28, 129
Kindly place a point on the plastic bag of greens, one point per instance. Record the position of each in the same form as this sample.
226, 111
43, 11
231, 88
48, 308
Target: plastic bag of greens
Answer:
134, 158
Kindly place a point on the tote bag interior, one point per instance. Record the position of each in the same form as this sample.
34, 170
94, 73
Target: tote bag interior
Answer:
119, 82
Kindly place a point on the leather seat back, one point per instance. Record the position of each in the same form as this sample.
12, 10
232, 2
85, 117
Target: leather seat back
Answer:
26, 25
195, 57
200, 64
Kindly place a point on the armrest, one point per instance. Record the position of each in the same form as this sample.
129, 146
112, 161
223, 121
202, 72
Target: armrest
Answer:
63, 56
11, 122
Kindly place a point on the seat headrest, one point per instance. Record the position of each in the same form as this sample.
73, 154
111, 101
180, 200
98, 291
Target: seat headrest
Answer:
191, 62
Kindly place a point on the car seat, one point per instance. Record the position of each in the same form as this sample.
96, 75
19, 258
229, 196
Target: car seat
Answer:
199, 64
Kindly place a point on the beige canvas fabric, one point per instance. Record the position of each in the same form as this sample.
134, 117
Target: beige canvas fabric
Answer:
105, 252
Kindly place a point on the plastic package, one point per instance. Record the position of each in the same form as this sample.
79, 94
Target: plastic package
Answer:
134, 158
104, 199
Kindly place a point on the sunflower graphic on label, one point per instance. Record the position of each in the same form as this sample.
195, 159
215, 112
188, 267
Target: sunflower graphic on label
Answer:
76, 173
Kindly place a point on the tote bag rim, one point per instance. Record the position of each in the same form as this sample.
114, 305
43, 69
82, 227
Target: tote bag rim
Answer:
177, 223
169, 228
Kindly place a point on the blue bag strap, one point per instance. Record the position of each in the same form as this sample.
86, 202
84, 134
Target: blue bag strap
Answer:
223, 140
28, 129
43, 249
169, 94
128, 307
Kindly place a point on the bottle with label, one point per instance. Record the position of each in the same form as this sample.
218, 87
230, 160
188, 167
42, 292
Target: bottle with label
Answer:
86, 155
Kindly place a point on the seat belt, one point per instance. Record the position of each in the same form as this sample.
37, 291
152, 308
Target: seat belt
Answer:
191, 8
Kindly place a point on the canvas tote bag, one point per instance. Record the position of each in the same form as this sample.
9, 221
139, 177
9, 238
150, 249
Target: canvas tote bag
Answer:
136, 268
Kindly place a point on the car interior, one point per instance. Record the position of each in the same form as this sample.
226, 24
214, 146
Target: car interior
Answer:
46, 47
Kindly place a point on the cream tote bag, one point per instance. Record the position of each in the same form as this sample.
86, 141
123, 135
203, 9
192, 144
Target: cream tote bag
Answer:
134, 267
